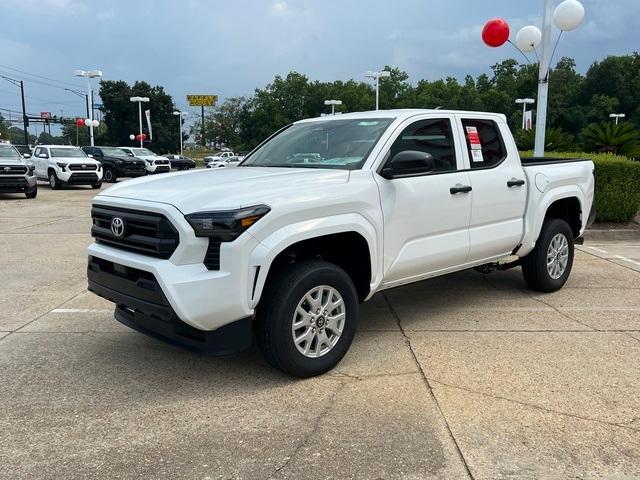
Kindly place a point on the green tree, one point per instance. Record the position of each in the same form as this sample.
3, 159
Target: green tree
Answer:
121, 115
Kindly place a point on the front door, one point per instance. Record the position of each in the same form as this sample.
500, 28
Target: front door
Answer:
426, 217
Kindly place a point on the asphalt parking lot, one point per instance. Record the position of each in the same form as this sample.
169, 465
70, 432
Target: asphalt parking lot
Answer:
466, 376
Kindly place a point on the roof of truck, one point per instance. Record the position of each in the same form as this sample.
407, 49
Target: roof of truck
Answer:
401, 114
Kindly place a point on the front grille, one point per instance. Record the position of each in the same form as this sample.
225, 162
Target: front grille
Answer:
13, 170
78, 178
13, 182
212, 257
162, 162
146, 233
83, 167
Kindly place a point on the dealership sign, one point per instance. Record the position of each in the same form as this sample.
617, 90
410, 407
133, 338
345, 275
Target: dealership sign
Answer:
202, 100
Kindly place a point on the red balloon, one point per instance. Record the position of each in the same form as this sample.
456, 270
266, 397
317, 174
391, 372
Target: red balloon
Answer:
495, 32
80, 122
138, 137
144, 136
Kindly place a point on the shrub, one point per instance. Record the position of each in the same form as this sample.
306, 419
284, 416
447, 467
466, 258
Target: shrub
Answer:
617, 184
555, 140
609, 137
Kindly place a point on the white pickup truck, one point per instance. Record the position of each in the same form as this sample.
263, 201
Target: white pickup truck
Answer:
288, 244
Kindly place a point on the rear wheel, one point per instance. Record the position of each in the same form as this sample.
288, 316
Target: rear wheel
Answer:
109, 175
54, 183
547, 267
307, 319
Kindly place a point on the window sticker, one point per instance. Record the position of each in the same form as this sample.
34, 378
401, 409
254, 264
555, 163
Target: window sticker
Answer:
476, 145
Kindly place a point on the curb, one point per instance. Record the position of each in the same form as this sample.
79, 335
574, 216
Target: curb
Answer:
618, 235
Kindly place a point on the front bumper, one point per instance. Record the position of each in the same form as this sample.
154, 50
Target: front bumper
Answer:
78, 177
17, 184
142, 305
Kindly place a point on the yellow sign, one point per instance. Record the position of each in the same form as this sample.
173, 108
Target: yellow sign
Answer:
202, 100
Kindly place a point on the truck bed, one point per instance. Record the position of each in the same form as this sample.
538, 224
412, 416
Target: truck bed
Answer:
531, 161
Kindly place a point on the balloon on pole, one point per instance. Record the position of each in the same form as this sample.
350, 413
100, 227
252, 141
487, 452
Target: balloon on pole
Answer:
95, 123
87, 122
529, 38
79, 122
132, 137
568, 15
495, 32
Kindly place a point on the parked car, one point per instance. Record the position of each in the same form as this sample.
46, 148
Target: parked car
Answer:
225, 162
293, 247
66, 165
17, 173
217, 157
116, 163
180, 162
152, 162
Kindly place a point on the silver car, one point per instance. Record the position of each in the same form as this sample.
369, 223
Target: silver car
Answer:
17, 173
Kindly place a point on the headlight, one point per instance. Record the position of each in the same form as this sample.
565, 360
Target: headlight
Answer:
150, 162
226, 226
61, 165
32, 169
99, 167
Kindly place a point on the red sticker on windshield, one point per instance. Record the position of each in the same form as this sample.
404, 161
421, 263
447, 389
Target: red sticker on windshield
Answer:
474, 138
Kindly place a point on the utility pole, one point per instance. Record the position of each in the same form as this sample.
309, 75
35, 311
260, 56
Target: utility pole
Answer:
25, 121
543, 79
204, 142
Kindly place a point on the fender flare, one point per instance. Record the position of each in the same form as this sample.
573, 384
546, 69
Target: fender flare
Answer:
271, 246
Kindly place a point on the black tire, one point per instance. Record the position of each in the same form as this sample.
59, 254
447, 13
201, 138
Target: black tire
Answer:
54, 183
109, 175
534, 265
96, 186
32, 193
275, 316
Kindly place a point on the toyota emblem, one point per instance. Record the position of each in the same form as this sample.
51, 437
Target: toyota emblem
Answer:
84, 167
7, 169
117, 227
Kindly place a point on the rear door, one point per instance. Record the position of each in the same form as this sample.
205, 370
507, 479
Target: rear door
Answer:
499, 189
40, 163
426, 216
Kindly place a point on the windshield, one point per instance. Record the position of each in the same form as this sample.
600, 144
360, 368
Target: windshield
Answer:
7, 151
23, 149
67, 152
143, 152
114, 152
343, 144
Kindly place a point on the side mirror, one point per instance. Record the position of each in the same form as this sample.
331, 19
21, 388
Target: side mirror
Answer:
26, 155
408, 163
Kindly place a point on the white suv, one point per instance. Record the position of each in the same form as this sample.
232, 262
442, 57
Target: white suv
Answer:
66, 165
152, 162
217, 158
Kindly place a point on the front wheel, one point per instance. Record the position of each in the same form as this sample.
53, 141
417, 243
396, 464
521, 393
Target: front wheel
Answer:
54, 183
109, 175
307, 318
31, 193
96, 186
547, 267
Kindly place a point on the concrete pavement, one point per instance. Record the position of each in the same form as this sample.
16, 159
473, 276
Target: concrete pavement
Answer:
465, 376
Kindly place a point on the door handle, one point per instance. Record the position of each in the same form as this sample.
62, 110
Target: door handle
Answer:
460, 189
515, 182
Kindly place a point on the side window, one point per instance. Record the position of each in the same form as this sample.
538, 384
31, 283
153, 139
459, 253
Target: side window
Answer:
37, 152
432, 136
484, 142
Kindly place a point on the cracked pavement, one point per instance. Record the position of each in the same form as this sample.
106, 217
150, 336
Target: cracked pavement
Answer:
464, 376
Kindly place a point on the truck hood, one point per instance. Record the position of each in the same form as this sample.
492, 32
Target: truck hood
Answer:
227, 188
13, 161
76, 160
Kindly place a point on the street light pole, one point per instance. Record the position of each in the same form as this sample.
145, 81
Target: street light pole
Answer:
377, 76
333, 104
543, 79
617, 116
140, 100
180, 115
524, 102
89, 75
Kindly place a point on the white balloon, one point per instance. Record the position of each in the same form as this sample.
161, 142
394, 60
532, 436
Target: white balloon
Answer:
87, 122
95, 123
528, 38
568, 15
132, 137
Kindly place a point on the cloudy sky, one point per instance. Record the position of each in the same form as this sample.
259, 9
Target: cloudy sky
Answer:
230, 47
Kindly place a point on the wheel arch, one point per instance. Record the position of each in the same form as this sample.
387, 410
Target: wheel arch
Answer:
353, 246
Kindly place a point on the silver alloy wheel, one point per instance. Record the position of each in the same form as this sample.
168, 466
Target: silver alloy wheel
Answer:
557, 256
52, 180
318, 321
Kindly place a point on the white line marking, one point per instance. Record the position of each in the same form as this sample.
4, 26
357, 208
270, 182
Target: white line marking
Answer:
598, 250
627, 260
79, 310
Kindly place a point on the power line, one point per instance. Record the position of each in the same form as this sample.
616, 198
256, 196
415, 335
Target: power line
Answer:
39, 76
